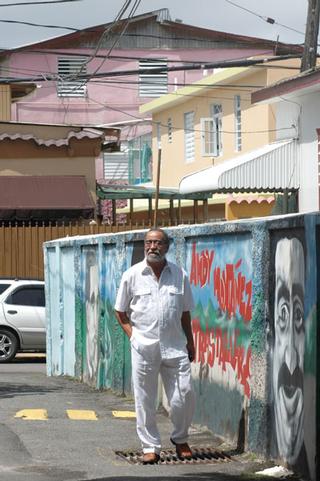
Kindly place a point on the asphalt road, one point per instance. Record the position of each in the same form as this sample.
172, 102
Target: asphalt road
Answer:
57, 448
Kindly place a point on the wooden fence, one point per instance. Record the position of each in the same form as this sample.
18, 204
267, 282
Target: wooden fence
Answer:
21, 245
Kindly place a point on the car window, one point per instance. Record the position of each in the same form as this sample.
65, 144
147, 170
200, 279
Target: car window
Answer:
3, 287
27, 296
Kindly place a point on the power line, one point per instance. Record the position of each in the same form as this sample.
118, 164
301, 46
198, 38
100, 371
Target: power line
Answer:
141, 35
31, 24
17, 4
129, 58
182, 128
263, 17
223, 64
124, 73
131, 14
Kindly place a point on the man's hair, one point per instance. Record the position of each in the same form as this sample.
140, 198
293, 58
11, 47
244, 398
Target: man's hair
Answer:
164, 234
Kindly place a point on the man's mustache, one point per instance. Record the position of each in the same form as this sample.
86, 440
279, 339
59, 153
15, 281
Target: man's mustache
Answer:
153, 251
291, 382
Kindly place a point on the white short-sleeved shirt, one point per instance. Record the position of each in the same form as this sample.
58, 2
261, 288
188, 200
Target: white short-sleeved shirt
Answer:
155, 307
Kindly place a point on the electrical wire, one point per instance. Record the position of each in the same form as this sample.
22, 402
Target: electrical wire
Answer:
153, 122
272, 43
99, 44
129, 58
131, 14
264, 18
31, 24
223, 64
42, 2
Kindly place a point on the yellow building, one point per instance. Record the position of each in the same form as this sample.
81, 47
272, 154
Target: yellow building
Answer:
10, 93
212, 122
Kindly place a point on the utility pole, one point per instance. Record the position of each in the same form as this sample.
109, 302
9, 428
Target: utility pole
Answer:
311, 37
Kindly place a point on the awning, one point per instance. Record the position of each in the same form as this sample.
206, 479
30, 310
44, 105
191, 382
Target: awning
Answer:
274, 167
114, 191
44, 197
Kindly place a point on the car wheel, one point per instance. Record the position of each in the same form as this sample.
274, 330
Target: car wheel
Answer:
8, 345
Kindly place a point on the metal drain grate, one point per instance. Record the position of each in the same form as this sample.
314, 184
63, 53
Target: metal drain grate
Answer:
168, 456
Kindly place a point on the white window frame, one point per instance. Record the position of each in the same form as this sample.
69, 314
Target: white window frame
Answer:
69, 85
207, 144
237, 124
216, 114
189, 137
153, 84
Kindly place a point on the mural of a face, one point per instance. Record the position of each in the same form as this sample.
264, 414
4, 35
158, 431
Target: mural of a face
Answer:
92, 314
289, 347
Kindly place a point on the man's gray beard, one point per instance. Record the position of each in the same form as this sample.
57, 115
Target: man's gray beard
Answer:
153, 258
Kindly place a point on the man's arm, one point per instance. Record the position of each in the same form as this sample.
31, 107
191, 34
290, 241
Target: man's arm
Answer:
124, 322
186, 326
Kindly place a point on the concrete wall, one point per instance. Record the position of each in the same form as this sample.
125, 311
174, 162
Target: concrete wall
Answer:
256, 292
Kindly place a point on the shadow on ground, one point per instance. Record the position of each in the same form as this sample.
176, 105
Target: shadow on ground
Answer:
196, 477
8, 390
28, 359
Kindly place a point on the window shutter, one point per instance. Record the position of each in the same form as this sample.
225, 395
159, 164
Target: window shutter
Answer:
68, 69
153, 84
116, 166
189, 136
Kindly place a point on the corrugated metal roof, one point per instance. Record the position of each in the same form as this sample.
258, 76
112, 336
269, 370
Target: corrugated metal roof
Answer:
117, 191
82, 134
44, 192
274, 167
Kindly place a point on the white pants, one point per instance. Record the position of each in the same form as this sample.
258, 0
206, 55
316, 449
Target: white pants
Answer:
176, 378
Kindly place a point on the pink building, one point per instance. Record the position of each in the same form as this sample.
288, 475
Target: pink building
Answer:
101, 76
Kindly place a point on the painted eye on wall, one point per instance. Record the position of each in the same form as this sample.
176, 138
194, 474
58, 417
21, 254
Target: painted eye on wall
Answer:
298, 315
283, 315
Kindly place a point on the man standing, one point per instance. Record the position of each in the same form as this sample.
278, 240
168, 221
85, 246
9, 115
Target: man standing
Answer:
153, 308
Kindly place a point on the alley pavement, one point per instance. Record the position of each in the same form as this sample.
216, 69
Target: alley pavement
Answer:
57, 429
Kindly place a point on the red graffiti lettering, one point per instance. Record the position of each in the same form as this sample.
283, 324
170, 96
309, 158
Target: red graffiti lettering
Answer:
233, 291
216, 345
201, 266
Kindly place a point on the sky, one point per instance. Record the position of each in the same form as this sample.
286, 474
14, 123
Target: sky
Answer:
223, 15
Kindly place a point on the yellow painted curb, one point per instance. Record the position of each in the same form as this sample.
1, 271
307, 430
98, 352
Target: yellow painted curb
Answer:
82, 415
32, 414
124, 414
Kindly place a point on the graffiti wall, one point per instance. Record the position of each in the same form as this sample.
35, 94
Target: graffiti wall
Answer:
220, 273
256, 289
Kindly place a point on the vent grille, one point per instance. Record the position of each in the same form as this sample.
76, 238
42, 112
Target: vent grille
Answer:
201, 455
68, 69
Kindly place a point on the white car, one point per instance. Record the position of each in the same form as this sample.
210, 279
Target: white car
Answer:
22, 317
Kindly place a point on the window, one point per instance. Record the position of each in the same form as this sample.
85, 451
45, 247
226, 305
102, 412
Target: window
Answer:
169, 123
68, 69
153, 84
116, 165
3, 287
207, 142
216, 113
237, 123
189, 137
27, 296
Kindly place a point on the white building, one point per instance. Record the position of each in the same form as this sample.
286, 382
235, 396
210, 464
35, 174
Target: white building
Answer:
297, 107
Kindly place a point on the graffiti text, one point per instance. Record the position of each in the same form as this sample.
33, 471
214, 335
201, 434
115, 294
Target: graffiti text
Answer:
233, 291
217, 345
201, 266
